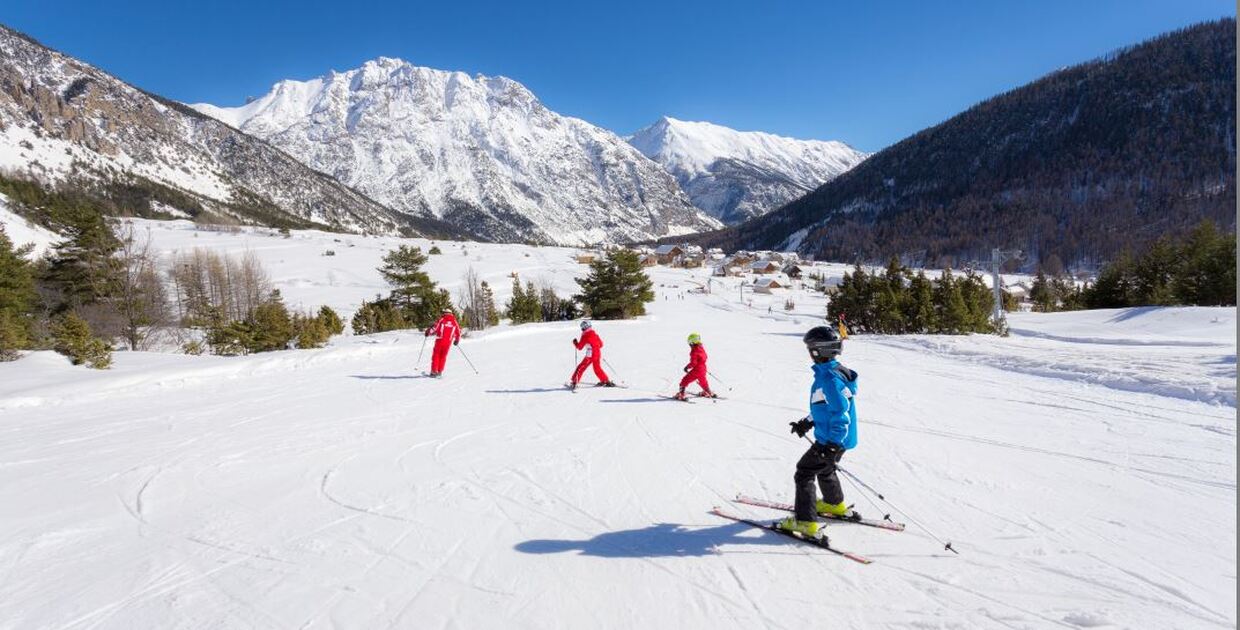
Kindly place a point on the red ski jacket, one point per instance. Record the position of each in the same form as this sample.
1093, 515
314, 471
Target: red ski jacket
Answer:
445, 328
697, 359
591, 339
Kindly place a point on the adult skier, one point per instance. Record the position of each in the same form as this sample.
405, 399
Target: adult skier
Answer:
833, 419
696, 369
447, 334
593, 346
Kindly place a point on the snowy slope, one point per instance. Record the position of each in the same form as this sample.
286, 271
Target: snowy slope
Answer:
22, 232
737, 175
62, 119
480, 152
338, 488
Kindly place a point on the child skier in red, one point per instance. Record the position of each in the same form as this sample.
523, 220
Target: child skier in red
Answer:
448, 333
593, 346
696, 370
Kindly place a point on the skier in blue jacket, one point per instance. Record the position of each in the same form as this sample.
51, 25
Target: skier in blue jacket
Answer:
833, 419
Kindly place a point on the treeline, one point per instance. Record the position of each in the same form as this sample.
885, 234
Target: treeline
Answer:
1197, 269
616, 288
897, 301
1077, 166
101, 286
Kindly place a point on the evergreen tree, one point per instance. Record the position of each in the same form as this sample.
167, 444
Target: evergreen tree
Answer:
1153, 274
490, 312
889, 297
524, 306
617, 286
1113, 286
1041, 294
1207, 275
17, 298
330, 320
413, 291
919, 313
951, 313
309, 331
82, 268
376, 317
271, 326
979, 301
72, 337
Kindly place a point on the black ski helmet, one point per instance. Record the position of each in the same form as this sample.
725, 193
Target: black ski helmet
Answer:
823, 343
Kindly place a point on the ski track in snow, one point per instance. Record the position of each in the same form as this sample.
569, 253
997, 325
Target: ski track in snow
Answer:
337, 489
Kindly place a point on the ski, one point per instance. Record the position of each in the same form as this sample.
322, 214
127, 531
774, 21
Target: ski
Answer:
868, 522
821, 543
683, 400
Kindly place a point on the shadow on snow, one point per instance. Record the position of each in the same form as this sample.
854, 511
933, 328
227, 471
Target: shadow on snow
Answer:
380, 377
532, 390
657, 541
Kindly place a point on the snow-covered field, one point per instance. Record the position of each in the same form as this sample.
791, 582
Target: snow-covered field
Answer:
1084, 467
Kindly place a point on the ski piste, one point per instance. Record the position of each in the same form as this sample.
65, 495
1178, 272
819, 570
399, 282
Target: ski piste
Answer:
821, 543
774, 505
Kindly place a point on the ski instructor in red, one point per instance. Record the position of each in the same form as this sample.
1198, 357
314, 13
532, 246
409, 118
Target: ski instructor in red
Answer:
696, 369
593, 345
448, 334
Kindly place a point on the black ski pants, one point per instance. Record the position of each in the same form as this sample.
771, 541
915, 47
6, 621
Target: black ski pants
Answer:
818, 463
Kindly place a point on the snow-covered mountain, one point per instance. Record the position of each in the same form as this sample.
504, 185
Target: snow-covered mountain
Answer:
479, 152
62, 119
737, 175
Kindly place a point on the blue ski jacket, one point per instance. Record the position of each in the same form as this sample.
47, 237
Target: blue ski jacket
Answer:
832, 404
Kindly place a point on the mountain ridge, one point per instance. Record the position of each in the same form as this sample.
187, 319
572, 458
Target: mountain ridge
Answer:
1076, 166
64, 120
737, 175
478, 151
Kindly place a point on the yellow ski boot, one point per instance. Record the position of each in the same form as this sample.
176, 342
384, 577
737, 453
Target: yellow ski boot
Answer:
808, 529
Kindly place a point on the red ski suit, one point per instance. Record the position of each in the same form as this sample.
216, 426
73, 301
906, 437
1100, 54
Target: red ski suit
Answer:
447, 333
696, 370
594, 356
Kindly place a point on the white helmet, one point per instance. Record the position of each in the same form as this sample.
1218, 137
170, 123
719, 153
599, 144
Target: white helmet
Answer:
585, 324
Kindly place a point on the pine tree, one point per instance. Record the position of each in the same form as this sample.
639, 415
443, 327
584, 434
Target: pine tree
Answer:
490, 312
413, 291
1041, 294
17, 298
309, 331
950, 311
919, 314
617, 286
330, 320
72, 337
82, 268
1154, 273
889, 298
1113, 287
1207, 274
376, 317
271, 326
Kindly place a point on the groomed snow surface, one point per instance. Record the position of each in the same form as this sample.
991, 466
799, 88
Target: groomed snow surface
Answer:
1084, 468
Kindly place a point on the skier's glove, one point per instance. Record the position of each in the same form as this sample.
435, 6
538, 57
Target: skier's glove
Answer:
457, 342
802, 426
574, 343
687, 369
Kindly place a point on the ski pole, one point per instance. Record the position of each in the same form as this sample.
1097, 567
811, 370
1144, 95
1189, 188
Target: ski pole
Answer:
712, 375
611, 367
423, 350
947, 545
471, 363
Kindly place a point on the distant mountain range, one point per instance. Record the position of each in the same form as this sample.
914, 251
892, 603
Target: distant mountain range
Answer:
1077, 166
738, 175
62, 121
482, 153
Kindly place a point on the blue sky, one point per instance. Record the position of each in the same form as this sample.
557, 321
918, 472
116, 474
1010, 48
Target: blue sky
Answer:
867, 73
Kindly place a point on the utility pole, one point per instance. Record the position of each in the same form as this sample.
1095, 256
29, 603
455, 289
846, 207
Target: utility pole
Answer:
997, 258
